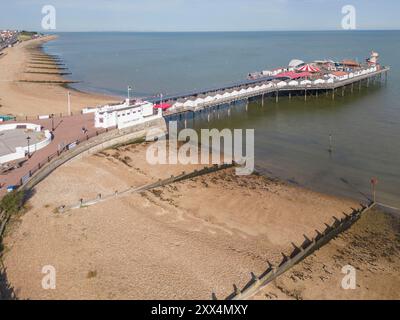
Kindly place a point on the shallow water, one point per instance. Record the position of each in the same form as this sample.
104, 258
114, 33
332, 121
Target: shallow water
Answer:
292, 137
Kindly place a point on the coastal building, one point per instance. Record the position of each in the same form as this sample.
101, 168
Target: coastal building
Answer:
339, 75
127, 114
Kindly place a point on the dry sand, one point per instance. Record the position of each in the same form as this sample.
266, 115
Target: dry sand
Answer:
30, 98
185, 240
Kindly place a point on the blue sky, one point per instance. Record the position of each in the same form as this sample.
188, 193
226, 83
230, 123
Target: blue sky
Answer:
199, 15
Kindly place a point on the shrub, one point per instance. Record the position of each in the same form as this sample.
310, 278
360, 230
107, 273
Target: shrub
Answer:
12, 202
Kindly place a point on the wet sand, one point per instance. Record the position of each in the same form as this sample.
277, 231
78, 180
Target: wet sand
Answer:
371, 246
24, 71
183, 241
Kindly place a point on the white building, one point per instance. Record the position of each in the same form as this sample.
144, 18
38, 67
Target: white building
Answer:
126, 114
319, 81
305, 82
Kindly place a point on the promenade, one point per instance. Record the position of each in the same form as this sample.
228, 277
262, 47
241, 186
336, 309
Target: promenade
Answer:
66, 131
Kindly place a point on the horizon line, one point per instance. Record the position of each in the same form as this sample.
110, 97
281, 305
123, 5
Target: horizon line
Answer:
204, 31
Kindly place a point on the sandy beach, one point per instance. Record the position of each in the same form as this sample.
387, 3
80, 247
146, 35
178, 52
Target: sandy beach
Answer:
24, 71
187, 240
183, 241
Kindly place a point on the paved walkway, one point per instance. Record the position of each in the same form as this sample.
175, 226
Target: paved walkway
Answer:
67, 130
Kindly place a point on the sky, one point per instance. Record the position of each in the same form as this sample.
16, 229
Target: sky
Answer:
198, 15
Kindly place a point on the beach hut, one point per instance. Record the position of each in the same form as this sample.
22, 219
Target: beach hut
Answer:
319, 81
305, 82
218, 95
282, 84
199, 101
235, 93
339, 75
226, 95
189, 103
209, 99
177, 105
293, 83
270, 85
242, 91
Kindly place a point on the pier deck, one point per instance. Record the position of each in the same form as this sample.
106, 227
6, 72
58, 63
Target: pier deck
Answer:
274, 90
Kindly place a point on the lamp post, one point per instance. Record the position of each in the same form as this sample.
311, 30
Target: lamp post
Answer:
374, 182
129, 92
28, 140
52, 122
69, 103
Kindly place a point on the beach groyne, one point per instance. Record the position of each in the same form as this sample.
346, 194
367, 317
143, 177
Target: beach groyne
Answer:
160, 183
298, 254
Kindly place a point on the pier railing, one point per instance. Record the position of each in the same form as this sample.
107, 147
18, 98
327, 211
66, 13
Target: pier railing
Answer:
275, 89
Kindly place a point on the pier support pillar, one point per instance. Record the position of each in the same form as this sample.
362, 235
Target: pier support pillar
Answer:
290, 96
333, 94
316, 93
367, 82
305, 95
343, 91
352, 87
359, 85
262, 101
247, 105
277, 96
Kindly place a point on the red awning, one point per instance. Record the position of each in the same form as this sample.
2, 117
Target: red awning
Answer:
293, 75
163, 106
308, 68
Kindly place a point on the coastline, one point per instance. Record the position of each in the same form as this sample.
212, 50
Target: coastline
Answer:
31, 83
247, 222
197, 236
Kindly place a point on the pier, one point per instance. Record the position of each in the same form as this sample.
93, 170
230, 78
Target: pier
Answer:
269, 87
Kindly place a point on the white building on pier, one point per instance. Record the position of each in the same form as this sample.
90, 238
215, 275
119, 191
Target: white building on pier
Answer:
124, 115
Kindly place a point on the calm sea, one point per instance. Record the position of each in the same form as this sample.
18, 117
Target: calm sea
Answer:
292, 137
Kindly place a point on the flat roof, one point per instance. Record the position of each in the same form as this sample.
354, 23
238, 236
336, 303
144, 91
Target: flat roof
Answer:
11, 139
